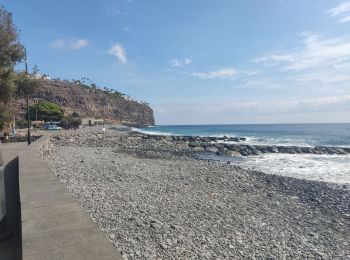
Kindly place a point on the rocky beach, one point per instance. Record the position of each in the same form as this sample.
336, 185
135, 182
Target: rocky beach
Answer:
155, 199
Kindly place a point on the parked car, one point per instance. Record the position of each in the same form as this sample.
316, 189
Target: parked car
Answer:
54, 127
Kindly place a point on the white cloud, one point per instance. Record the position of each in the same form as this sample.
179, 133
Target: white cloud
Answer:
78, 44
340, 9
326, 77
315, 52
179, 62
277, 58
227, 73
74, 44
118, 51
57, 44
261, 84
344, 19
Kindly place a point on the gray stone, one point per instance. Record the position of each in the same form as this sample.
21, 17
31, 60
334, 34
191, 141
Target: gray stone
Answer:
232, 153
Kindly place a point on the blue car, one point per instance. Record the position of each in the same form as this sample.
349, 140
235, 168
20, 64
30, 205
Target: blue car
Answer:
54, 127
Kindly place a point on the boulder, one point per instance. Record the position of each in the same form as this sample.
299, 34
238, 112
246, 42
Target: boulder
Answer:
273, 149
245, 152
256, 152
232, 153
340, 151
211, 149
194, 144
198, 149
220, 145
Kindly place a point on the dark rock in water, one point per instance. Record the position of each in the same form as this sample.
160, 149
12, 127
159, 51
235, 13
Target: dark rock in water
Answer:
256, 152
291, 151
340, 151
219, 153
332, 151
273, 149
212, 144
250, 147
244, 152
242, 138
306, 149
297, 149
346, 149
234, 148
220, 145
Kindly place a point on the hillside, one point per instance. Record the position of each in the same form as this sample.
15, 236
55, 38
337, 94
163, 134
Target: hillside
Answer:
91, 102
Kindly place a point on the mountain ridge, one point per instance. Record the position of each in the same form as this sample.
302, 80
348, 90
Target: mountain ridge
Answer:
90, 101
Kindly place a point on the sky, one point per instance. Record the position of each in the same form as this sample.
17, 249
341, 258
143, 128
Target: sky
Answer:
200, 61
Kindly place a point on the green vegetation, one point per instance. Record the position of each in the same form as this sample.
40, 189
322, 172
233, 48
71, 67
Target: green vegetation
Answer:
73, 121
26, 85
11, 52
47, 111
5, 115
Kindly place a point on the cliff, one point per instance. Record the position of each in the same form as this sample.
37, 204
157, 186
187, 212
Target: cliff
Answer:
91, 102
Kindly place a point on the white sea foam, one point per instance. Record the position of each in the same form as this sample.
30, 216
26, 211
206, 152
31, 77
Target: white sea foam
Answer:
328, 168
277, 142
150, 132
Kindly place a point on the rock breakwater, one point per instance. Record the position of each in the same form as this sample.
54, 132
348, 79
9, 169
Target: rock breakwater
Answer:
224, 146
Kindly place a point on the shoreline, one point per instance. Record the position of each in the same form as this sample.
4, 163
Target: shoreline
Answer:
153, 199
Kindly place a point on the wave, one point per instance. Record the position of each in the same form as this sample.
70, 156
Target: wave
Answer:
144, 131
328, 168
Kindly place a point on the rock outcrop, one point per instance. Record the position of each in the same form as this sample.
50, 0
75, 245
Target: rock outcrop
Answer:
91, 102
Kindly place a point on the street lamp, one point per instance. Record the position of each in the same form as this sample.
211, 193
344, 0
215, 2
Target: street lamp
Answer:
27, 96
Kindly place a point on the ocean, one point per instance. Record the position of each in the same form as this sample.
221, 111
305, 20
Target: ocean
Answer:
328, 168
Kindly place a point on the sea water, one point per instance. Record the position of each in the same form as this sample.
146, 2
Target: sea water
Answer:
329, 168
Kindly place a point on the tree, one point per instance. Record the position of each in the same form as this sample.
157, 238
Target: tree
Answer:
64, 123
11, 52
5, 115
75, 120
47, 111
26, 85
35, 70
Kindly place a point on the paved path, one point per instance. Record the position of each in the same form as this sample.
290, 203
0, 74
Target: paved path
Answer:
54, 225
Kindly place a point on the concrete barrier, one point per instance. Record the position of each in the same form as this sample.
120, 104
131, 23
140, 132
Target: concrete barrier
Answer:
10, 212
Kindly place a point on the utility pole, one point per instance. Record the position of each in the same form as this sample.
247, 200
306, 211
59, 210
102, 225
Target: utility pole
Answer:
27, 97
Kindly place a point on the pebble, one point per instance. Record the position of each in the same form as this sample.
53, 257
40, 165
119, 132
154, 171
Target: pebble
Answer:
151, 198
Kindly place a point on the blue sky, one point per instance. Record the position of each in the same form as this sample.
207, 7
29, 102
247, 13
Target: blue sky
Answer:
200, 61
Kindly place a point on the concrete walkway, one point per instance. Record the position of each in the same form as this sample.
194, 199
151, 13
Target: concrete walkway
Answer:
54, 225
